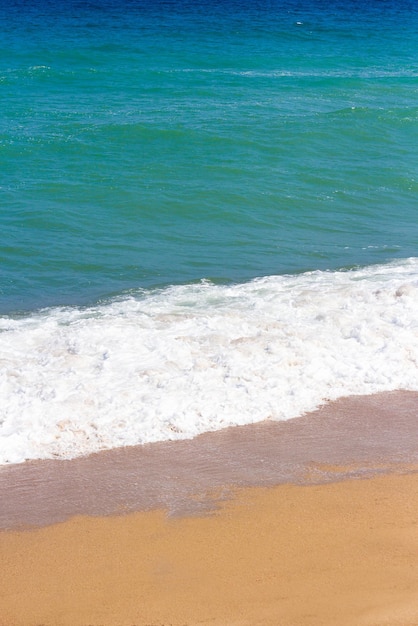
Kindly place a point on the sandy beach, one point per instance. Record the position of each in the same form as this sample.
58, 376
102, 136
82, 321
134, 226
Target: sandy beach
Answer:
208, 313
315, 522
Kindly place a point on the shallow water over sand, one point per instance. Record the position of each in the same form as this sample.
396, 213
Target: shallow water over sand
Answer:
354, 437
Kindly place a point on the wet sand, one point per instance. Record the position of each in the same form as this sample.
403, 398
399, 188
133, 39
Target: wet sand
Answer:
313, 521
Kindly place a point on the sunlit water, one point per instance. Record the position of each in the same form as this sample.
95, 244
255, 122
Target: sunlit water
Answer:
155, 159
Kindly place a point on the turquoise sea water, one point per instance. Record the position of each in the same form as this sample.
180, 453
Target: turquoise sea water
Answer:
208, 214
153, 143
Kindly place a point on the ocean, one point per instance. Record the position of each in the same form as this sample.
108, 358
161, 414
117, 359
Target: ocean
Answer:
208, 215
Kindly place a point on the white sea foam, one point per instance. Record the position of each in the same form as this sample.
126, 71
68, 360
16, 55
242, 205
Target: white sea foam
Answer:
175, 363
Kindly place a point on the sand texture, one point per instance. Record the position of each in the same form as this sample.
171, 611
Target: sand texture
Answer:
329, 549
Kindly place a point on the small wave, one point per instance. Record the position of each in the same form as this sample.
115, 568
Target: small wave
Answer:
314, 73
176, 362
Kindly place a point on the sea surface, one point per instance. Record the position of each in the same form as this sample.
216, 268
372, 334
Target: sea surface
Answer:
208, 215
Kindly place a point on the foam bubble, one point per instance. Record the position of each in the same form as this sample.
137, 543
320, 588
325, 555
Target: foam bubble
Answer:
177, 362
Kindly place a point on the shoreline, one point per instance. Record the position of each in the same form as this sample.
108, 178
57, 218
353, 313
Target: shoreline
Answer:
357, 436
310, 522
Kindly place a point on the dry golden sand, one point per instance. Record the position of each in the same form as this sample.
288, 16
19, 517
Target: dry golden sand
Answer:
343, 553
